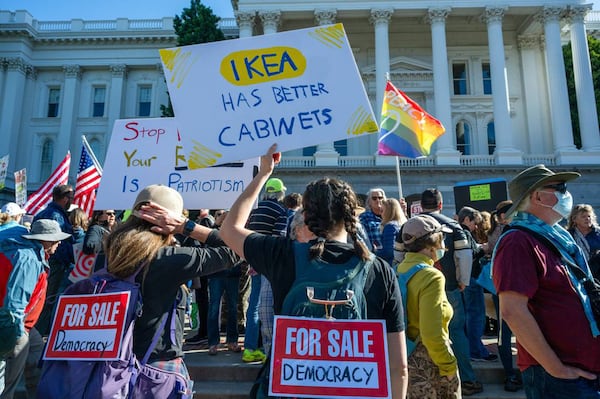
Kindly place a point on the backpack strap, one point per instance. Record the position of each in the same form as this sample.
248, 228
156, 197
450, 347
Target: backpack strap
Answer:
403, 279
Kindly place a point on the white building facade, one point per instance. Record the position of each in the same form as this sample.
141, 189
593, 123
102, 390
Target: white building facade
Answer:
493, 73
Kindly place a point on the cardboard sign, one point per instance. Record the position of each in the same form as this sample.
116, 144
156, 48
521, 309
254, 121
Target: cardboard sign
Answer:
150, 151
296, 88
329, 358
482, 195
88, 327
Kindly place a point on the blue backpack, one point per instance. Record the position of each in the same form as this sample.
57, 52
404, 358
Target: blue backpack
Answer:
403, 279
127, 377
321, 290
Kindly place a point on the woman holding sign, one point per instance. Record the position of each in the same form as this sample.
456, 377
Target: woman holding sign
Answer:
329, 206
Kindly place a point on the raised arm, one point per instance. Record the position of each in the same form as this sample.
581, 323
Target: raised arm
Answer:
233, 230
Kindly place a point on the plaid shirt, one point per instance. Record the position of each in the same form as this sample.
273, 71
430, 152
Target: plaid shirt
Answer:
371, 223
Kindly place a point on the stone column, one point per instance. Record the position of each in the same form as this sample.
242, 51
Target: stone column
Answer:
245, 21
12, 106
557, 83
3, 65
115, 98
584, 83
270, 21
326, 155
446, 153
535, 94
505, 152
67, 137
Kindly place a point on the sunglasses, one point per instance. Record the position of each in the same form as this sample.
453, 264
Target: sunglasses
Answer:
377, 198
109, 213
219, 213
560, 187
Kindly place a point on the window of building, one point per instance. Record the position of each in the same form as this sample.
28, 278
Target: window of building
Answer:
487, 78
463, 137
53, 102
491, 138
97, 148
46, 161
459, 78
341, 146
144, 100
99, 100
309, 151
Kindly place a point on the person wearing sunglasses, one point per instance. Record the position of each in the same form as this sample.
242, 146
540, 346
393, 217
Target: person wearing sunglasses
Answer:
540, 297
370, 219
103, 222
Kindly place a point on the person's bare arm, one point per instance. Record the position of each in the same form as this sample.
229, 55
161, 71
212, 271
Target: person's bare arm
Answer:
398, 364
234, 231
514, 310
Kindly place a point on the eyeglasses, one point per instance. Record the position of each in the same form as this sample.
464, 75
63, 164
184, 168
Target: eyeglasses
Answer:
560, 187
377, 198
219, 213
109, 213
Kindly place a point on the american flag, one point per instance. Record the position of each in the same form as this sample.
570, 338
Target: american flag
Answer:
42, 197
88, 179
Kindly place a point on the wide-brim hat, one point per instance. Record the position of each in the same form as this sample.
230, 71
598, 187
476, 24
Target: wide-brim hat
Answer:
46, 230
162, 195
531, 179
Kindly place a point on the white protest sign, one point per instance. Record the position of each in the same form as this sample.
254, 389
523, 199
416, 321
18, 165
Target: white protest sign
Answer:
324, 358
150, 151
297, 88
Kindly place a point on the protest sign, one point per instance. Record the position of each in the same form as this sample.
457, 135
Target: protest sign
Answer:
3, 170
150, 151
88, 327
238, 97
482, 195
329, 358
21, 187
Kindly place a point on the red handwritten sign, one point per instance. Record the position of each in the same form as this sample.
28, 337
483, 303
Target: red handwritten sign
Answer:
88, 327
329, 358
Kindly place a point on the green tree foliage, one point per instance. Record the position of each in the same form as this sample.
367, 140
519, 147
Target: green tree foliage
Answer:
594, 47
197, 24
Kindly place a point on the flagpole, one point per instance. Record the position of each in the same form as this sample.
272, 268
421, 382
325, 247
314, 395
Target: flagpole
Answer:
91, 153
398, 177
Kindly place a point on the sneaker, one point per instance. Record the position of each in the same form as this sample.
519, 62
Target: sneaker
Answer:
469, 388
250, 356
492, 357
196, 340
233, 347
213, 350
512, 384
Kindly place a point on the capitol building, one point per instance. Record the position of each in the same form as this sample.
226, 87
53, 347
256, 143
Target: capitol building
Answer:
492, 72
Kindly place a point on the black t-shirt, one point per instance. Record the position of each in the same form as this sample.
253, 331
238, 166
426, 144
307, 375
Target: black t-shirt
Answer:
274, 258
161, 285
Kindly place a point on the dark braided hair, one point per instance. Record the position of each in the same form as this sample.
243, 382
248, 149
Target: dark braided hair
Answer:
327, 203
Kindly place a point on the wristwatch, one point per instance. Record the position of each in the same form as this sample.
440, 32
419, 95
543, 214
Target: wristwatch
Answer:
188, 227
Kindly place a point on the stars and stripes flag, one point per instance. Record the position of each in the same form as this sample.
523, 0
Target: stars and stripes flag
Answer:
88, 179
42, 197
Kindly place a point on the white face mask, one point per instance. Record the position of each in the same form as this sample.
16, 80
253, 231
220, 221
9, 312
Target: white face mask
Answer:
439, 253
564, 204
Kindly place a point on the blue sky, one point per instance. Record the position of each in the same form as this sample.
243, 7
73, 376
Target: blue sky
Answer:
48, 10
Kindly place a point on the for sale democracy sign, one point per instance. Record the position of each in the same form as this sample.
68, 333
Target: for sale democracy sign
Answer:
88, 327
321, 358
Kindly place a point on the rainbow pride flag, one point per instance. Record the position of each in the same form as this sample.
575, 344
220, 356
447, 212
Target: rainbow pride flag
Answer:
406, 129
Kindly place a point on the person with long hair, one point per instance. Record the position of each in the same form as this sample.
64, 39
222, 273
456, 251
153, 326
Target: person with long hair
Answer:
584, 228
102, 223
392, 218
144, 243
329, 212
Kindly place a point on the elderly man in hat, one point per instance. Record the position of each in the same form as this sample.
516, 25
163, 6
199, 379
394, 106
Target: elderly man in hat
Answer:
557, 336
23, 270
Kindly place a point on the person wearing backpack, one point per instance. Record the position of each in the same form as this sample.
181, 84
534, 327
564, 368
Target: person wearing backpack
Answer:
23, 272
165, 267
432, 366
328, 206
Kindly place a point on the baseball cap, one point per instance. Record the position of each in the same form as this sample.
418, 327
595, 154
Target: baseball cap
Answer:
531, 179
12, 209
46, 230
162, 195
420, 226
274, 185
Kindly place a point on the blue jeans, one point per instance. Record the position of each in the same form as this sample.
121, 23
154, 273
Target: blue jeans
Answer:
460, 343
538, 384
251, 337
475, 319
216, 287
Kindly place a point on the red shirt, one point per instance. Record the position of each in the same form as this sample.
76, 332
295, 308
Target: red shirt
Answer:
524, 265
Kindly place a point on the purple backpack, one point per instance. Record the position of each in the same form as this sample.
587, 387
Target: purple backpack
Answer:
124, 378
